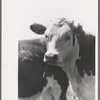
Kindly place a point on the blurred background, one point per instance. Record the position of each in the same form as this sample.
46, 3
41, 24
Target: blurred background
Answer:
18, 15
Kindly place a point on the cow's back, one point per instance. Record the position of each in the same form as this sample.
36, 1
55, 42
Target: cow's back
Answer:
30, 67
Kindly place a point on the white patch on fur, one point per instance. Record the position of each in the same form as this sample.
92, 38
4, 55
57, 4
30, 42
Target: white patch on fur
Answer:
52, 91
70, 95
88, 87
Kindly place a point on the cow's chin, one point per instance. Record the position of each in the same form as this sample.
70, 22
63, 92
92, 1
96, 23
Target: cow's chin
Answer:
57, 63
51, 62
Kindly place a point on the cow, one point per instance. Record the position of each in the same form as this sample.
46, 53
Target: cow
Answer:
71, 48
36, 79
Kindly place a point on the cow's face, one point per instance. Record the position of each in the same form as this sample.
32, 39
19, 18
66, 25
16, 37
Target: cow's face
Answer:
60, 44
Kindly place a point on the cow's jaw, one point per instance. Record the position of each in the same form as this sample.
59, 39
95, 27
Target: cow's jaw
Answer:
70, 60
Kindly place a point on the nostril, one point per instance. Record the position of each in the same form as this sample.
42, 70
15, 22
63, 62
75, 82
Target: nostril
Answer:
45, 56
55, 57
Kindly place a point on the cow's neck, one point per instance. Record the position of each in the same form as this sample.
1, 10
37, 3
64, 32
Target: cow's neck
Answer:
73, 75
81, 85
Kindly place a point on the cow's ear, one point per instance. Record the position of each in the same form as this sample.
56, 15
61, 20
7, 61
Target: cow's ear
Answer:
38, 28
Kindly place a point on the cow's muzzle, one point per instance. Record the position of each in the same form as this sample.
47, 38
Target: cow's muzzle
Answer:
50, 58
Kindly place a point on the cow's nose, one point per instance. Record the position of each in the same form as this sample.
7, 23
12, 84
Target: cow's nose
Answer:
50, 57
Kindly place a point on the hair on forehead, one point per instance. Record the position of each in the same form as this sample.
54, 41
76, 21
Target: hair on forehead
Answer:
61, 21
77, 30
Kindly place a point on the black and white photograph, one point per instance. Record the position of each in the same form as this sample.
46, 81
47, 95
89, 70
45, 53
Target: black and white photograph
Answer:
49, 50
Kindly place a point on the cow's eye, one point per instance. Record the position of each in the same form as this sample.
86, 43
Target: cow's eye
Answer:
46, 37
67, 38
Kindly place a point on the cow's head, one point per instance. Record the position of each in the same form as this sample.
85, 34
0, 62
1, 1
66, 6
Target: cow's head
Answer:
61, 42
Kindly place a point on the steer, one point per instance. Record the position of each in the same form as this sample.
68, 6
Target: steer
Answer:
69, 47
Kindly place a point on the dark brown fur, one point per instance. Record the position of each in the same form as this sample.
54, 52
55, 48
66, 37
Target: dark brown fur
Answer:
86, 52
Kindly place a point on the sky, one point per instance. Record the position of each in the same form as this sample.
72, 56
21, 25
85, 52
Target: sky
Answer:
18, 15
